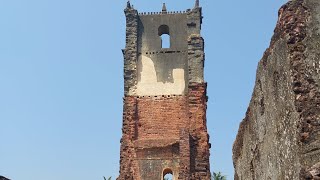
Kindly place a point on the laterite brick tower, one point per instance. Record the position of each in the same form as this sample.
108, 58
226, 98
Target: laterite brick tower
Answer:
164, 119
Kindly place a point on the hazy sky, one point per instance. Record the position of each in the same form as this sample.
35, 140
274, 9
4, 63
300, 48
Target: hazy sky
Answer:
61, 81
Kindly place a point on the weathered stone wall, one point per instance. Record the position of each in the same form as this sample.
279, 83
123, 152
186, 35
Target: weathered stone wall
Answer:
149, 39
162, 71
280, 135
131, 51
162, 74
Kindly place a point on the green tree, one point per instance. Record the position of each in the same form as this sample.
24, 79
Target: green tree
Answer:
218, 176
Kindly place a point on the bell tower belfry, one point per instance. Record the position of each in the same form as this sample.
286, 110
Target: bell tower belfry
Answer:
165, 100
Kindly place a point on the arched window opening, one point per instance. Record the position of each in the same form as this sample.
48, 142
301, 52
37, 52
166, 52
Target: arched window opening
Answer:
164, 34
165, 41
167, 174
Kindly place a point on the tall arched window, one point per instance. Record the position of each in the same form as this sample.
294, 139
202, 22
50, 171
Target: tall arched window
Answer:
167, 174
164, 34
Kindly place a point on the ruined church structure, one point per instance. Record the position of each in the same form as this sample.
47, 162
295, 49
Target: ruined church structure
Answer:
164, 107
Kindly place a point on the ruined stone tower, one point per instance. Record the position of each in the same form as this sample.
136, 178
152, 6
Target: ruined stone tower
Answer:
164, 119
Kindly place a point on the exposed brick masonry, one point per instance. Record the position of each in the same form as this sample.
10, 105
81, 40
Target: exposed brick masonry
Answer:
161, 117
